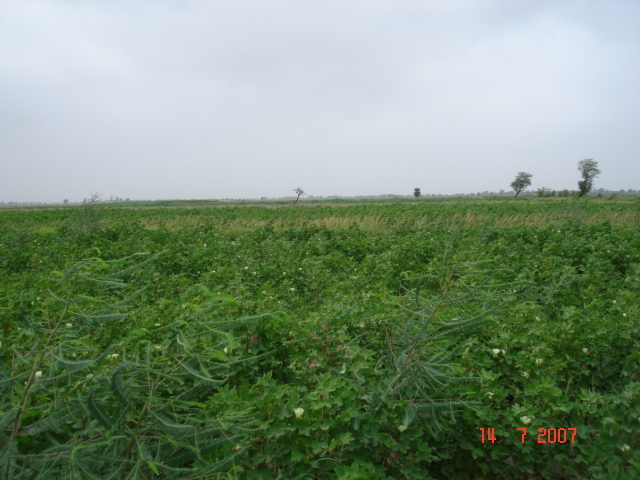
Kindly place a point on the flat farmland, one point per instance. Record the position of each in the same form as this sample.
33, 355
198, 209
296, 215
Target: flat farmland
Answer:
469, 338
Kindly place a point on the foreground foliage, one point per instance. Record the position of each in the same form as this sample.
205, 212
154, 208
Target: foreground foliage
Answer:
82, 400
384, 354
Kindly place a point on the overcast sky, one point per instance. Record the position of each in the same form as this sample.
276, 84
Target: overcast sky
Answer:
232, 99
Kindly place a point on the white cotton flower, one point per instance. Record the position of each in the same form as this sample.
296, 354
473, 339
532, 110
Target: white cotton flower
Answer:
539, 361
625, 448
69, 325
225, 350
402, 428
496, 351
526, 374
298, 412
38, 374
157, 324
526, 420
292, 289
585, 350
489, 394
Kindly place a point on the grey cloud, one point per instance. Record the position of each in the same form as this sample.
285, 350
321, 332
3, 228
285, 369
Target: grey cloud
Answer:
217, 99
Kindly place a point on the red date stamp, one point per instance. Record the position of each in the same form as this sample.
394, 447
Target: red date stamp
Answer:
546, 435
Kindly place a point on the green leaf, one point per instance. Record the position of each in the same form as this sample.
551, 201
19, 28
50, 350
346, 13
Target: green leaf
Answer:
73, 365
200, 376
100, 413
7, 417
183, 342
170, 425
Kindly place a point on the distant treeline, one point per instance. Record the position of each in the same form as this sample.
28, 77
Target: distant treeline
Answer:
541, 192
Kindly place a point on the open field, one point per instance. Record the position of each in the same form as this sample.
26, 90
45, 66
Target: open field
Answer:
346, 340
372, 216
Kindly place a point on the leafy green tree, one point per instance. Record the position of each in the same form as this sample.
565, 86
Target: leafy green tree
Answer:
417, 192
589, 170
522, 181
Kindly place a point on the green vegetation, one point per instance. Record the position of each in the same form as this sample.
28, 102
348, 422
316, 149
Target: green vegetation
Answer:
334, 340
521, 182
588, 171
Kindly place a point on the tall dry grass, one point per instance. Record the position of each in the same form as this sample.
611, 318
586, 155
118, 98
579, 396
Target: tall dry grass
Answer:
372, 219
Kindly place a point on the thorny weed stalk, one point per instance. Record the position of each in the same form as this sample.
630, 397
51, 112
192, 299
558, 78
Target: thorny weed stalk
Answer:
450, 300
72, 405
86, 219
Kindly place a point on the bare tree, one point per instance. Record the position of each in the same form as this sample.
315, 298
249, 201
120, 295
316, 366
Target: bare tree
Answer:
298, 191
